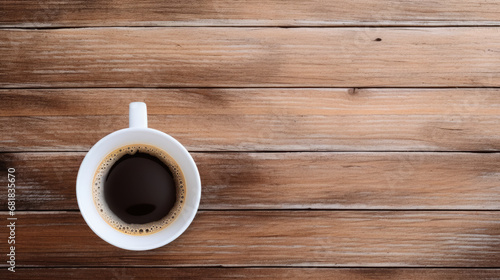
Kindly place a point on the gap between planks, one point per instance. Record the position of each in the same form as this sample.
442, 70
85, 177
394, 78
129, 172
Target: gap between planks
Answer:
381, 26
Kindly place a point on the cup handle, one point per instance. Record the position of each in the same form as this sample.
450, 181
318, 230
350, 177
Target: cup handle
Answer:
138, 115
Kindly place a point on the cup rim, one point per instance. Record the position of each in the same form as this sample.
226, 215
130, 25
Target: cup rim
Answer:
128, 136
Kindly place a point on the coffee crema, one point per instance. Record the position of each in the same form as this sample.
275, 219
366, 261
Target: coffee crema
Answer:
139, 189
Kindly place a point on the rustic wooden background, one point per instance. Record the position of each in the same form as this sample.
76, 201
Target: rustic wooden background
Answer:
335, 139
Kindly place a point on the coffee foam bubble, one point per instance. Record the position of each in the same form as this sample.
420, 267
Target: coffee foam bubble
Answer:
110, 217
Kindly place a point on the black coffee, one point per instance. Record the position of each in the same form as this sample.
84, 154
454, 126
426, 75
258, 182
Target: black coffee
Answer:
139, 189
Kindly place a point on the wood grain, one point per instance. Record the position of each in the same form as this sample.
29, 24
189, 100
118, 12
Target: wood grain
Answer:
259, 119
353, 145
265, 132
246, 13
464, 102
46, 181
259, 273
276, 238
250, 57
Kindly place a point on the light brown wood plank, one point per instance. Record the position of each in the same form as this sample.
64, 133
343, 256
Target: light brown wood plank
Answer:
276, 238
265, 132
250, 57
465, 102
260, 273
246, 13
259, 119
46, 181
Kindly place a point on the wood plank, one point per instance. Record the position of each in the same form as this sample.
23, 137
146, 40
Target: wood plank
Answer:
246, 13
260, 273
46, 181
250, 57
275, 238
248, 101
259, 119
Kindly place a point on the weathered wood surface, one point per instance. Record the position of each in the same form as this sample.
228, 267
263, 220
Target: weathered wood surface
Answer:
140, 273
464, 102
265, 132
250, 57
467, 181
348, 151
31, 13
259, 119
275, 238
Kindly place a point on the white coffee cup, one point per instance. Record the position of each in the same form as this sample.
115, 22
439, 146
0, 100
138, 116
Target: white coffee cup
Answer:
138, 133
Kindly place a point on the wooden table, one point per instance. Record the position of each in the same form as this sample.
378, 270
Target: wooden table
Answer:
335, 139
